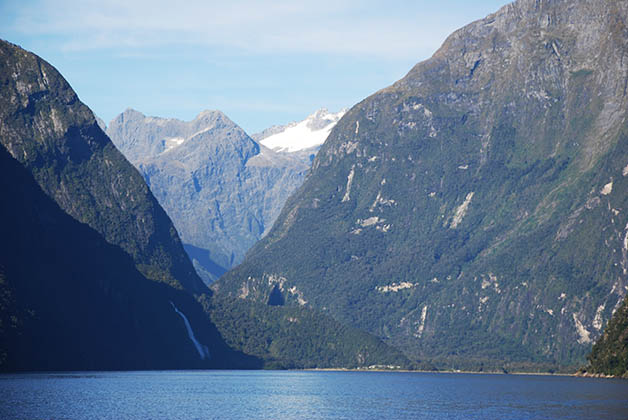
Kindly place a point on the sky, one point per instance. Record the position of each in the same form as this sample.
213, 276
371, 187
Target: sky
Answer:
260, 62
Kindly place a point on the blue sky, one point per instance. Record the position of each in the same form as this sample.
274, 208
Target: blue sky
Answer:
260, 62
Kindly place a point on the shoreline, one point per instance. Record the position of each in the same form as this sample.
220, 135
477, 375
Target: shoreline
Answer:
575, 374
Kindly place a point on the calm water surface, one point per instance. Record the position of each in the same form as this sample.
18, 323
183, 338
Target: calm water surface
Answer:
307, 395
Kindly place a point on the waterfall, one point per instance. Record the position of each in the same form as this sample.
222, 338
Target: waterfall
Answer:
202, 349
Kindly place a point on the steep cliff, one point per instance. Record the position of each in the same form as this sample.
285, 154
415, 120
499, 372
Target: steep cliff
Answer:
56, 137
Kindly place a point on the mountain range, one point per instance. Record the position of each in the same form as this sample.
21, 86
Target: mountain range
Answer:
473, 215
222, 189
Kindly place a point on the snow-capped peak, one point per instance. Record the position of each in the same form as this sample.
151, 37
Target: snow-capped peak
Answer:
306, 134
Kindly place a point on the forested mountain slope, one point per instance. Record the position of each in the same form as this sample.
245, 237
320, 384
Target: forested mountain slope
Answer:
476, 211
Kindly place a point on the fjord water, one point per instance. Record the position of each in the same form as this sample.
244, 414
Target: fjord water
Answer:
307, 395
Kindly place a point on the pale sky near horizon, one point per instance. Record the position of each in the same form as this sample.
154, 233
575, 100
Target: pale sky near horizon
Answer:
260, 62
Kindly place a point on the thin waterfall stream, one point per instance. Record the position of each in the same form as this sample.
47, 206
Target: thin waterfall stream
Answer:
202, 349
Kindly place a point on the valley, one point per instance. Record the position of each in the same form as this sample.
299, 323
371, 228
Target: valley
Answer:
471, 216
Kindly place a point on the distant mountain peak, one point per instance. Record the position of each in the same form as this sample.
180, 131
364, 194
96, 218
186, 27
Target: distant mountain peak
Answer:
151, 136
296, 136
210, 113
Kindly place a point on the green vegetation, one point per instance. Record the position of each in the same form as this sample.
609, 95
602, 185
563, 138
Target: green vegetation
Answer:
610, 354
294, 337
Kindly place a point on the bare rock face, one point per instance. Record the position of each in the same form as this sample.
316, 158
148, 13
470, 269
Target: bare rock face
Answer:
222, 189
474, 213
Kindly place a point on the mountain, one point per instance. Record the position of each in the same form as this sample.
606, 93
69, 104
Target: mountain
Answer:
92, 273
475, 212
56, 137
221, 188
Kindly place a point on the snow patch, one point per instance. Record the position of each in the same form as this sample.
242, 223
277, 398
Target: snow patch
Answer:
383, 228
172, 142
293, 290
625, 171
461, 211
463, 167
305, 134
357, 127
379, 201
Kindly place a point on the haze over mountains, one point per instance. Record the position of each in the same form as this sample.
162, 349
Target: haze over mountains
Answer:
222, 189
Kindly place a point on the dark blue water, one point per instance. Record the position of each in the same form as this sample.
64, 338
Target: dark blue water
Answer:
307, 395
